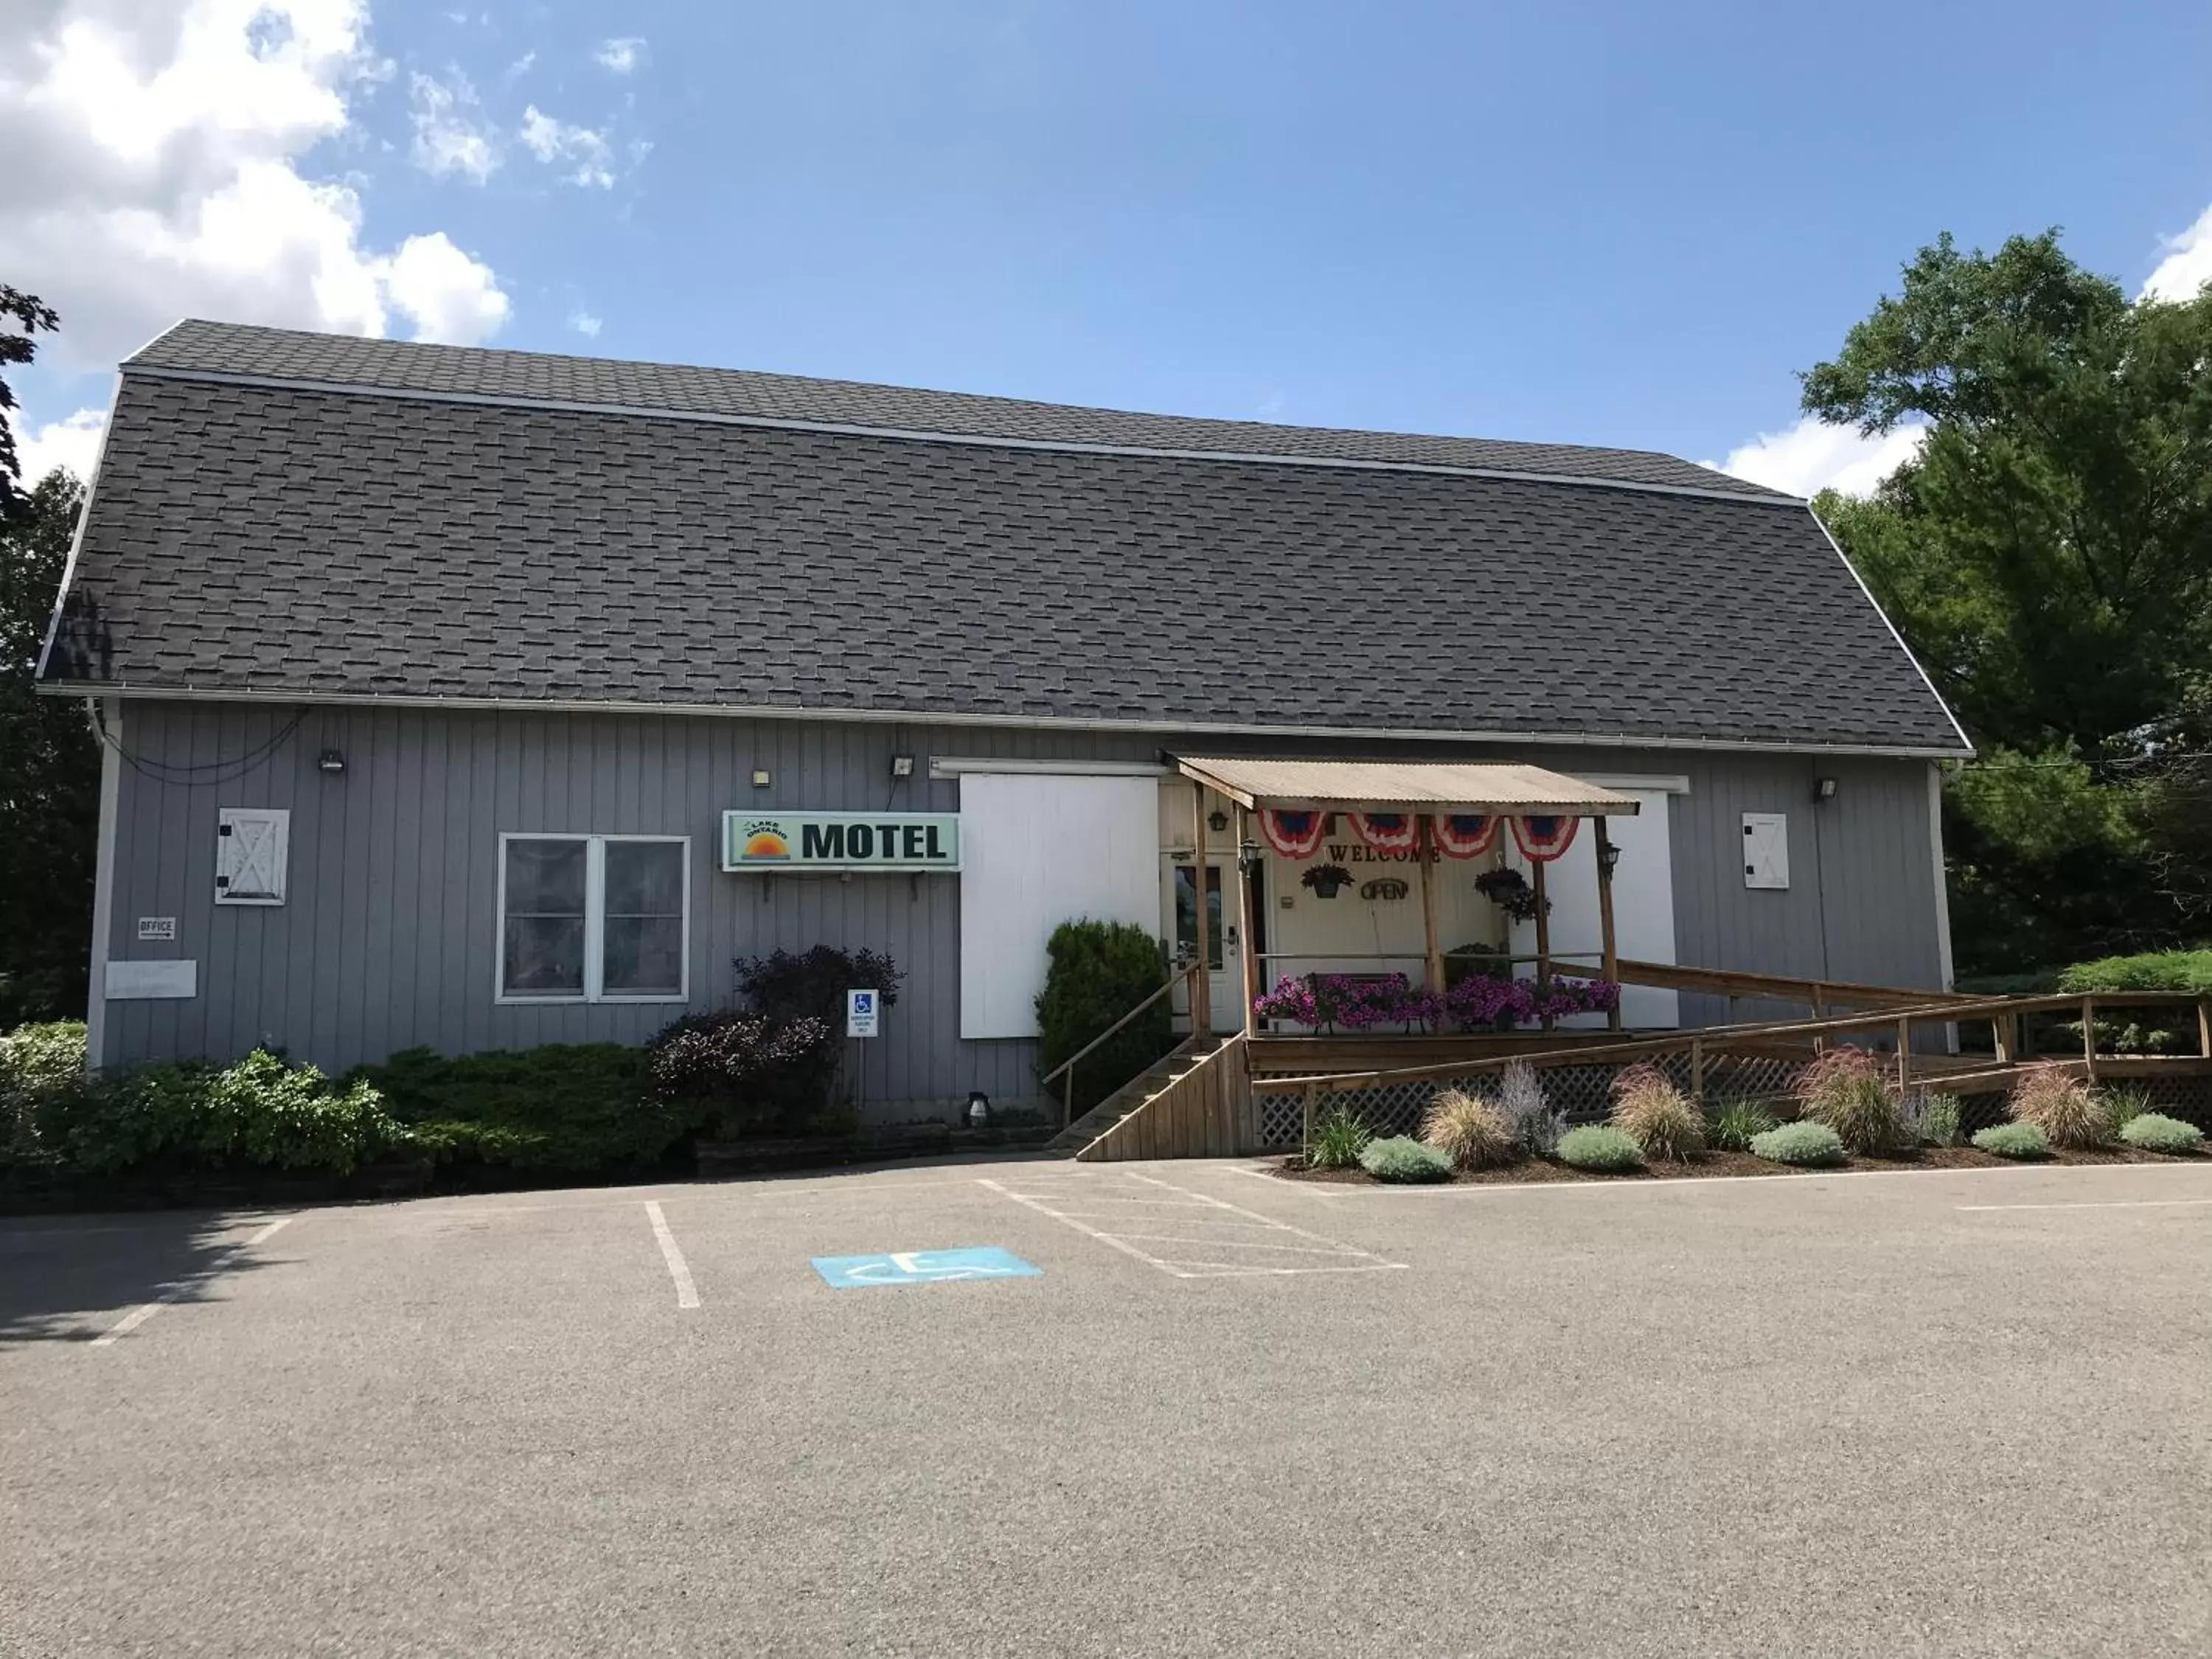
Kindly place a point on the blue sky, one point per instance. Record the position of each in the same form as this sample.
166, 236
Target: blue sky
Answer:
1605, 223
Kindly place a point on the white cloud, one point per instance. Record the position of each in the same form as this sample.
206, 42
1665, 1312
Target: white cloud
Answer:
621, 55
585, 324
72, 441
521, 66
2187, 265
452, 134
588, 153
165, 173
1813, 456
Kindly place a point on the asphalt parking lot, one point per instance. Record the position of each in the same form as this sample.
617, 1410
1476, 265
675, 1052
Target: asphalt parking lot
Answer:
1943, 1413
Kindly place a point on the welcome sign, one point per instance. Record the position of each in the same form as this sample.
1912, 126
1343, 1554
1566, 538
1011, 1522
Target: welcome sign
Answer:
819, 843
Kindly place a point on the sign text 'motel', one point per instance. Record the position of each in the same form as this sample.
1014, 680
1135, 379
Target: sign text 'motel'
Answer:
825, 842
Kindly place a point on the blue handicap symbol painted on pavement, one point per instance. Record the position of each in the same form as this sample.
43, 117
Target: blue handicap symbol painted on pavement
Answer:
850, 1273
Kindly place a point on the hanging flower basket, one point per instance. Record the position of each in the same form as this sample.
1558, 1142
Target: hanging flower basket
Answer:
1326, 879
1509, 889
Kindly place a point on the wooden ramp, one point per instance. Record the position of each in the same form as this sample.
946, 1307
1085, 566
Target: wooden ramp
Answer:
1198, 1114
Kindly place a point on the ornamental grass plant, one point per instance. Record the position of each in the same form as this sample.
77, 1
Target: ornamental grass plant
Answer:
1338, 1141
1656, 1115
1468, 1130
1845, 1090
2048, 1099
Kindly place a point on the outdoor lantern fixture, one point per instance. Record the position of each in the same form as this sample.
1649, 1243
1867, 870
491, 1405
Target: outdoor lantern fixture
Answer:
1824, 789
329, 761
760, 777
1608, 856
1216, 820
1247, 856
979, 1108
901, 766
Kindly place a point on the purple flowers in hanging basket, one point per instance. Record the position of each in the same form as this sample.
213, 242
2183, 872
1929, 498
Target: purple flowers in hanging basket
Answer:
1364, 1002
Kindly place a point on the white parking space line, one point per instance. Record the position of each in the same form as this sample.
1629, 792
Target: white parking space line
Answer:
1102, 1206
687, 1293
2101, 1204
145, 1310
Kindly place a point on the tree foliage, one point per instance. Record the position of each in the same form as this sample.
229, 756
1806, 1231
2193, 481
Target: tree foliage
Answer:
49, 777
49, 764
2048, 556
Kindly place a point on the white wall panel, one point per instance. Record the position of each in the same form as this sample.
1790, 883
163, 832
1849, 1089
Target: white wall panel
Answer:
1642, 906
1037, 851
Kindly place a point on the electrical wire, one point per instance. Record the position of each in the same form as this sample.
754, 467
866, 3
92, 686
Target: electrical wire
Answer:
195, 775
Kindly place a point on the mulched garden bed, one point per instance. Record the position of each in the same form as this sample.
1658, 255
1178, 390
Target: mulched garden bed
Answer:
1535, 1173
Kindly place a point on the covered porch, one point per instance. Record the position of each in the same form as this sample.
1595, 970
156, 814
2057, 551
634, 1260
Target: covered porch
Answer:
1399, 904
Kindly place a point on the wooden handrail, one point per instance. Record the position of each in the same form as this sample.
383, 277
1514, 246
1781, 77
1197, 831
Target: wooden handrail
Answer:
1942, 1012
1778, 987
1066, 1067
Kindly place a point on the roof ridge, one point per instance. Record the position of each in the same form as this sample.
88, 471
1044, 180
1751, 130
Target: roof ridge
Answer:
506, 376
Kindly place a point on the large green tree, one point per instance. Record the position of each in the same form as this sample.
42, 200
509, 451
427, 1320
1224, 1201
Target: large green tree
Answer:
49, 760
2048, 555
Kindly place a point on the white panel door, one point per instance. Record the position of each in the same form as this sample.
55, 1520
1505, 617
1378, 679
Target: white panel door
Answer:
1643, 907
1037, 849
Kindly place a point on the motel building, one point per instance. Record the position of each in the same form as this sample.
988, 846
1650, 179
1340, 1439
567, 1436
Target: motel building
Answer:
481, 700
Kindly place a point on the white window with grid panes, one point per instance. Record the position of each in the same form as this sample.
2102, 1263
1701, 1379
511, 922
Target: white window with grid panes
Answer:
594, 918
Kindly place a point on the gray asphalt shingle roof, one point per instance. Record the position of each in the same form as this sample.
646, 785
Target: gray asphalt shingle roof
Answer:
290, 539
528, 376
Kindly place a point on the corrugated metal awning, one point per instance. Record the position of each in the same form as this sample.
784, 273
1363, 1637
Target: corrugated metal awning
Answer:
1396, 786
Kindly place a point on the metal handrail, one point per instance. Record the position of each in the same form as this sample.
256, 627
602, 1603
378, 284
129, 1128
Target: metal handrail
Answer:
1946, 1011
1067, 1067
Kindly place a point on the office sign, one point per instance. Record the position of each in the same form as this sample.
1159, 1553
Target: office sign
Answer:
827, 843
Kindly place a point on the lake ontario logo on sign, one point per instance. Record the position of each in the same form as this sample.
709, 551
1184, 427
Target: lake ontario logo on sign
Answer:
765, 843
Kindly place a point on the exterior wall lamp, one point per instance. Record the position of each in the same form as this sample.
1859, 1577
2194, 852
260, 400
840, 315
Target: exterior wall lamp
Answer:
329, 761
1609, 856
760, 777
1247, 856
1824, 789
1216, 820
901, 766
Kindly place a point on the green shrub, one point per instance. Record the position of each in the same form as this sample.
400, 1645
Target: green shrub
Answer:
1730, 1124
2157, 970
1400, 1157
1338, 1141
1600, 1147
1468, 1130
2018, 1140
1656, 1115
41, 1075
2154, 1132
1845, 1090
1804, 1144
2066, 1113
577, 1108
2124, 1106
1094, 973
259, 1112
1928, 1118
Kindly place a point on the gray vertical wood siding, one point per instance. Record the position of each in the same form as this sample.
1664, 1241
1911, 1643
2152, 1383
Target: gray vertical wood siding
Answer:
389, 934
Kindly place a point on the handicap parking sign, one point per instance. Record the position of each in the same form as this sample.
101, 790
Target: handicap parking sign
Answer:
862, 1011
853, 1273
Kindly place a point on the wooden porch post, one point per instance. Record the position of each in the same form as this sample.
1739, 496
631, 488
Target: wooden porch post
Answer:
2089, 1038
1605, 940
1201, 985
1244, 923
1543, 934
1425, 850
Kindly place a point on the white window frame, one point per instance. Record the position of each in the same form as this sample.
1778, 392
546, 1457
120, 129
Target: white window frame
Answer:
595, 923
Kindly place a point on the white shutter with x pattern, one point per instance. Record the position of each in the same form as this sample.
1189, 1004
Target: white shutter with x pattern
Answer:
249, 847
1766, 849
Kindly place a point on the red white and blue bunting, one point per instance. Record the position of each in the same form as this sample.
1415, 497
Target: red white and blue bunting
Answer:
1294, 834
1465, 834
1387, 832
1543, 839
